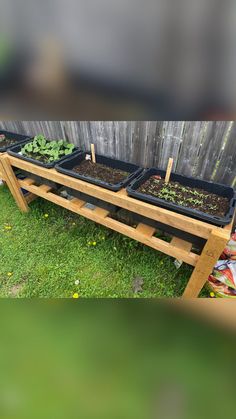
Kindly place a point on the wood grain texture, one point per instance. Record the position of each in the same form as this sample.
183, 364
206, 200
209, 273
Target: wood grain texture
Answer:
201, 149
2, 174
199, 228
210, 255
13, 184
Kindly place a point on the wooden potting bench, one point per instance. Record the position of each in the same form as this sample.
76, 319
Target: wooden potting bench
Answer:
215, 237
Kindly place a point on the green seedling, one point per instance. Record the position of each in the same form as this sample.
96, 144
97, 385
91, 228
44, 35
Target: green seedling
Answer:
194, 201
43, 149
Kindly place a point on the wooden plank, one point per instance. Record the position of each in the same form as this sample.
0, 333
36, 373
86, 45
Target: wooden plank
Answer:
199, 228
131, 232
45, 188
13, 184
1, 170
101, 212
230, 227
181, 244
210, 255
1, 174
171, 135
211, 147
145, 229
78, 202
29, 181
30, 198
123, 192
226, 171
190, 147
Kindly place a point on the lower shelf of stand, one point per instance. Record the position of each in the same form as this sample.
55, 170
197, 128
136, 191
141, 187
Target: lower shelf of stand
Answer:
142, 233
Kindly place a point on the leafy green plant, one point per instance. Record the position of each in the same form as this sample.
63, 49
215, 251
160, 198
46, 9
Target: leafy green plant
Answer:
48, 151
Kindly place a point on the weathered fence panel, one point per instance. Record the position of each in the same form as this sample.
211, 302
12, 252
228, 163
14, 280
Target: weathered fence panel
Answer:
202, 149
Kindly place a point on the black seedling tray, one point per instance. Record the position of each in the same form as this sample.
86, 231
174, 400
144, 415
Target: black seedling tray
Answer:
15, 150
91, 200
67, 165
215, 188
165, 228
11, 135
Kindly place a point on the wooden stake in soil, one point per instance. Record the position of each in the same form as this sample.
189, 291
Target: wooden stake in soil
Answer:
93, 153
168, 170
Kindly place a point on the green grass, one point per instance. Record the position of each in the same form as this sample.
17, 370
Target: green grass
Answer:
47, 255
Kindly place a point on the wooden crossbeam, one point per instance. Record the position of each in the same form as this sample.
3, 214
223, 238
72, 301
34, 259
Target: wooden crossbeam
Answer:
181, 244
145, 229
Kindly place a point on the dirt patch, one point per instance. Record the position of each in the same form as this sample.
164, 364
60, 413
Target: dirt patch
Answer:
101, 172
185, 196
7, 142
16, 289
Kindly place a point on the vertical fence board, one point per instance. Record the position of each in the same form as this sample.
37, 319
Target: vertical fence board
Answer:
172, 132
226, 170
211, 148
190, 146
201, 149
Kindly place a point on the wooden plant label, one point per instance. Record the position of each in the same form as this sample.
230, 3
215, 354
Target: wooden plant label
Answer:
168, 171
93, 153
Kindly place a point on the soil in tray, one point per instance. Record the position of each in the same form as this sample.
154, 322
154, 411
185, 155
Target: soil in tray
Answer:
185, 196
6, 142
101, 172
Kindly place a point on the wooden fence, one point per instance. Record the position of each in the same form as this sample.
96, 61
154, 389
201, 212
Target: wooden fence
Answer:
201, 149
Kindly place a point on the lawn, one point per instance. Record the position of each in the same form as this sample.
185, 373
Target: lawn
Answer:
50, 252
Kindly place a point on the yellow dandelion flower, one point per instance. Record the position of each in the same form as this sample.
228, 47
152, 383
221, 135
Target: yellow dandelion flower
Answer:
94, 243
212, 294
76, 295
46, 215
9, 274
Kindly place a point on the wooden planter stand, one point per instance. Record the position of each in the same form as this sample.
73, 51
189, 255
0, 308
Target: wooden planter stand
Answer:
216, 237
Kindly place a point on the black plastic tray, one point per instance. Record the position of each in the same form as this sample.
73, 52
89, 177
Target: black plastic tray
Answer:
14, 151
11, 135
92, 200
67, 165
221, 190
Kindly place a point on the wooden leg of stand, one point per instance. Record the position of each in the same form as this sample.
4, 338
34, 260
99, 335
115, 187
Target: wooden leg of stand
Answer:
210, 255
13, 184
